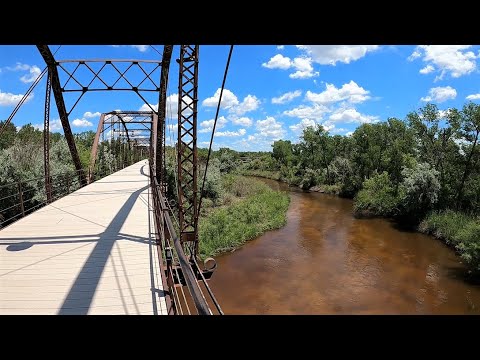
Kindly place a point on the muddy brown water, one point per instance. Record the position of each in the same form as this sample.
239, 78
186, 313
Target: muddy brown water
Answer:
325, 261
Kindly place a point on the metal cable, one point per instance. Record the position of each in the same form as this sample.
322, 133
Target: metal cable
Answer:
213, 130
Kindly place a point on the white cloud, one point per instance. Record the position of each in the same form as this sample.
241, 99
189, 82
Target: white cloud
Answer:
141, 48
350, 92
440, 94
304, 68
54, 125
298, 128
278, 62
351, 115
315, 112
229, 99
280, 47
89, 114
446, 59
230, 102
331, 54
270, 128
244, 121
207, 125
33, 72
289, 96
427, 69
171, 108
81, 123
240, 132
249, 103
473, 97
9, 99
303, 65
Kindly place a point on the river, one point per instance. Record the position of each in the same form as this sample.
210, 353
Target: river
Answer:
325, 261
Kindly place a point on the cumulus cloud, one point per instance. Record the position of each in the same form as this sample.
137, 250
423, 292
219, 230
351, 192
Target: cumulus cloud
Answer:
331, 54
207, 125
456, 60
427, 69
171, 107
249, 103
270, 128
33, 72
141, 48
473, 97
244, 121
351, 115
230, 102
287, 97
303, 124
349, 92
315, 112
240, 132
54, 125
81, 123
229, 99
9, 99
302, 65
440, 94
280, 47
90, 115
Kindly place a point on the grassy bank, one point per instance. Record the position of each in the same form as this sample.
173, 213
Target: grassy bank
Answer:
274, 175
459, 231
252, 209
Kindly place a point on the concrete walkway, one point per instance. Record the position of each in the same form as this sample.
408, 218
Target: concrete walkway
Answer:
90, 252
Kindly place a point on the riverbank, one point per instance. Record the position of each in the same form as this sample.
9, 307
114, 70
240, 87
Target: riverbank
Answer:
459, 231
248, 209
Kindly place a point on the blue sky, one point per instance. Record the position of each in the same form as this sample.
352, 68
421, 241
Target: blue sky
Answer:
272, 91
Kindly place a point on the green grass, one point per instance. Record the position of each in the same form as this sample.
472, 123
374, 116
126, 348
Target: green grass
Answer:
274, 175
458, 230
229, 227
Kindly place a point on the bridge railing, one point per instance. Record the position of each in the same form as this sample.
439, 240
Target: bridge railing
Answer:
22, 197
188, 290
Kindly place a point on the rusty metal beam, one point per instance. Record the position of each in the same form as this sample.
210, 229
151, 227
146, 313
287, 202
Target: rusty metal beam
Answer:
162, 107
62, 112
46, 140
187, 146
93, 154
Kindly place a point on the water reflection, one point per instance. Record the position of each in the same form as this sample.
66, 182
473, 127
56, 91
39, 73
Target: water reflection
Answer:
324, 261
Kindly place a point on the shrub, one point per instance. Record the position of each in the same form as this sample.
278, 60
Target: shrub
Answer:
377, 197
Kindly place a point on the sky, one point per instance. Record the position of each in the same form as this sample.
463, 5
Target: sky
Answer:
272, 91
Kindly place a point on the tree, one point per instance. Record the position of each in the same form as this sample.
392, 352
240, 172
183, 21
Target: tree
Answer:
469, 133
8, 135
282, 152
419, 189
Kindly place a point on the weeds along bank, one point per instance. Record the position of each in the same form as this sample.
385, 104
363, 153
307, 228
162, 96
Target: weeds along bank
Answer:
245, 209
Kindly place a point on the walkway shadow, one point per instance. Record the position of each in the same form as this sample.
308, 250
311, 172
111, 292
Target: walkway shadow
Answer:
80, 296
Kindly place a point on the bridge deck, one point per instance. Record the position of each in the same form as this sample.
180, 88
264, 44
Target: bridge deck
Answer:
90, 252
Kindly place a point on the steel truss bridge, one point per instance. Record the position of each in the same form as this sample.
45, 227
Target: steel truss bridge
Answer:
109, 239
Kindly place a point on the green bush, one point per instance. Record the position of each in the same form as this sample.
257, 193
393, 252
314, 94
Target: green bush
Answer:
377, 197
228, 228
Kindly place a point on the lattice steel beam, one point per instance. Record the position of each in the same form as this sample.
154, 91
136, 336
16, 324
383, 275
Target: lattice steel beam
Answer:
62, 112
187, 145
162, 107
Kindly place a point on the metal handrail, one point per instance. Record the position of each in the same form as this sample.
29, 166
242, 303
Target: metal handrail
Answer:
164, 222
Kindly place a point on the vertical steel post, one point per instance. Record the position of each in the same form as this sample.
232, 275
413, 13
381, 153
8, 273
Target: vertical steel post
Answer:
46, 140
187, 145
20, 195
